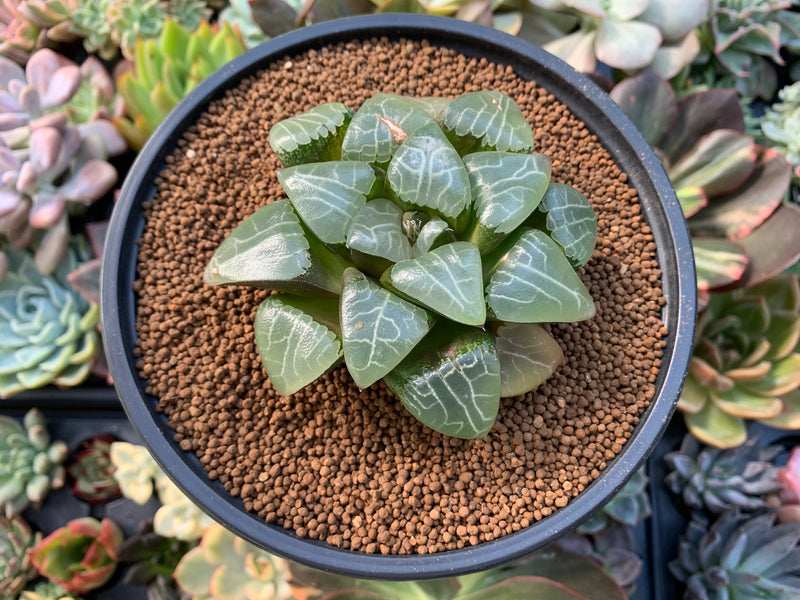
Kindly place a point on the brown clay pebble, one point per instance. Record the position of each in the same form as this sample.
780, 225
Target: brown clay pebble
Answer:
352, 467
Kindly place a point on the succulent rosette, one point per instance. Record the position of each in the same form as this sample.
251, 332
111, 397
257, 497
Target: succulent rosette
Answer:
426, 249
16, 570
788, 479
92, 471
81, 556
27, 25
629, 507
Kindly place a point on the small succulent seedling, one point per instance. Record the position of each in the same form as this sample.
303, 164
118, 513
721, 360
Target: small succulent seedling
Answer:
426, 248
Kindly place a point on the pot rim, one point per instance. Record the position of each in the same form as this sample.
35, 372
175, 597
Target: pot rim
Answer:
625, 144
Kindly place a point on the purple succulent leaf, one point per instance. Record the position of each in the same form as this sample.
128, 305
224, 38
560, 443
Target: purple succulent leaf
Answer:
114, 144
96, 232
90, 183
736, 214
9, 179
9, 71
8, 160
9, 200
47, 209
93, 71
628, 45
62, 87
10, 120
16, 139
718, 262
41, 68
52, 247
26, 179
86, 280
649, 101
45, 145
720, 162
71, 144
29, 99
15, 223
623, 565
699, 114
9, 103
55, 120
766, 258
15, 87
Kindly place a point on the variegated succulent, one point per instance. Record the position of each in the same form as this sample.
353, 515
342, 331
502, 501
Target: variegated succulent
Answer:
746, 363
716, 480
92, 471
16, 570
30, 463
630, 506
628, 34
48, 332
742, 42
27, 25
739, 557
781, 125
54, 142
225, 566
168, 68
425, 218
730, 188
48, 591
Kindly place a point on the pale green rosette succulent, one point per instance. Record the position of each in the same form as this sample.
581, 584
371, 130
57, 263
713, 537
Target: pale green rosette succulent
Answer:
781, 125
16, 570
48, 331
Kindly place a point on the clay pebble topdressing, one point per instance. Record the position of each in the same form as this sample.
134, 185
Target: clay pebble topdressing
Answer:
351, 466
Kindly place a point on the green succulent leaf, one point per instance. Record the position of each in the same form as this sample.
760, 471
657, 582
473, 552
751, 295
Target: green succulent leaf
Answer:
433, 234
531, 281
528, 355
506, 189
270, 249
426, 172
692, 198
297, 340
378, 128
569, 219
327, 195
451, 381
448, 280
783, 377
315, 135
378, 328
718, 262
746, 404
789, 417
479, 121
377, 232
715, 427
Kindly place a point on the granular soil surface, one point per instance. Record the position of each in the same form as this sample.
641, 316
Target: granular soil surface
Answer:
351, 466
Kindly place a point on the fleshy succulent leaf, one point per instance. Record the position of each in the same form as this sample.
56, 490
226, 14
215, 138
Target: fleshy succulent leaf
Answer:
528, 355
531, 281
451, 381
713, 426
506, 188
627, 45
295, 347
315, 135
447, 280
270, 249
649, 101
378, 328
327, 195
376, 238
718, 262
433, 234
570, 220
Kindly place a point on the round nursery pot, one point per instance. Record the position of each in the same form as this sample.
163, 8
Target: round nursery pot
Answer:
202, 479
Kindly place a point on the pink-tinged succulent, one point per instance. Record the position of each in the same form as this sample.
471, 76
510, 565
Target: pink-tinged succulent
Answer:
81, 556
789, 479
92, 471
53, 160
26, 25
730, 188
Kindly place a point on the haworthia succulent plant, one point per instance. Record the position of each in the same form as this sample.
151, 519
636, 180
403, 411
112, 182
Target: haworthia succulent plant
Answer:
424, 218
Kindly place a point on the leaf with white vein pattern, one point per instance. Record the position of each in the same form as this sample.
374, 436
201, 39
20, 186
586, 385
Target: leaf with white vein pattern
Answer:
369, 138
377, 231
451, 381
295, 341
378, 328
528, 356
315, 135
426, 172
479, 121
433, 234
447, 280
506, 189
270, 249
328, 195
531, 281
567, 216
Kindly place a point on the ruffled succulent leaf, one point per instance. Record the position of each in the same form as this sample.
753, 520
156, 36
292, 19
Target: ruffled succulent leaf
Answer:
447, 280
529, 280
506, 188
271, 249
718, 262
486, 121
649, 101
327, 195
433, 234
451, 381
316, 135
378, 328
528, 356
378, 128
426, 172
568, 218
297, 339
376, 238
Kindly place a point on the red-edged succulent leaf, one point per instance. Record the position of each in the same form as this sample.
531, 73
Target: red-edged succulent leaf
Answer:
699, 114
692, 199
526, 586
649, 101
736, 214
718, 262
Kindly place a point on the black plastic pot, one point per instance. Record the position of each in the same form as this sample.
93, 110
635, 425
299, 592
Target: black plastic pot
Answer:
588, 103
